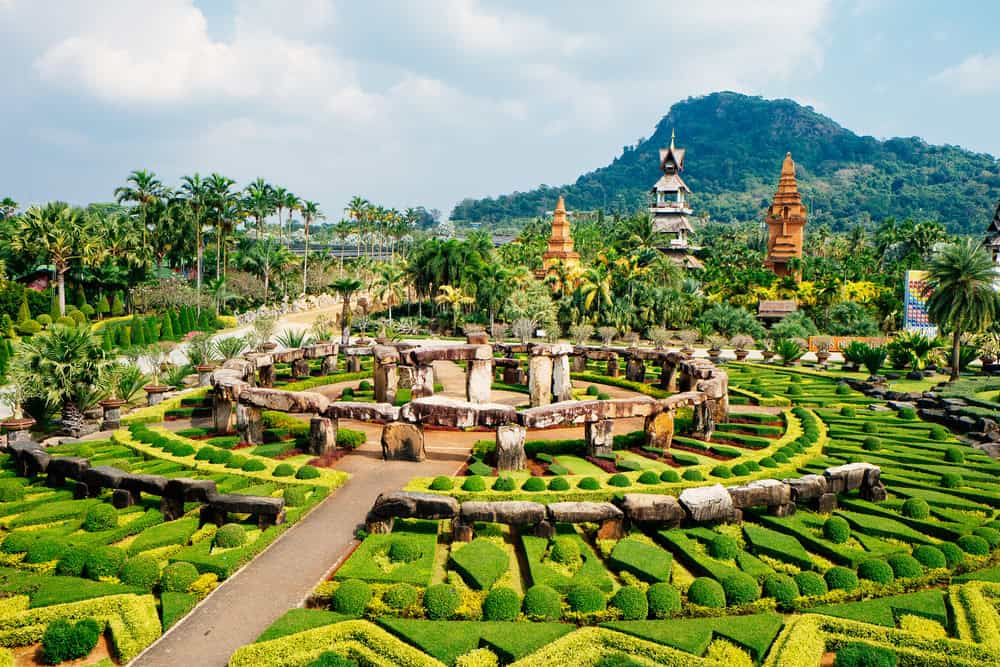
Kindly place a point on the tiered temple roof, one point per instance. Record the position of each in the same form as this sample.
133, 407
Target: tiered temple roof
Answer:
670, 209
786, 220
992, 240
561, 241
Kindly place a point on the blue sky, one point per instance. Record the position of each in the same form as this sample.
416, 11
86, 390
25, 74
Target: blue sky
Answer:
424, 102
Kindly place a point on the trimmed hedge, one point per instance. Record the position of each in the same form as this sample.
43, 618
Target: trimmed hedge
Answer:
586, 599
480, 563
501, 604
707, 592
441, 601
646, 561
632, 602
351, 597
664, 600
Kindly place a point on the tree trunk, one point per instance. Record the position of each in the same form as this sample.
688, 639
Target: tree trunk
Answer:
305, 257
267, 283
61, 278
200, 261
956, 352
345, 332
71, 419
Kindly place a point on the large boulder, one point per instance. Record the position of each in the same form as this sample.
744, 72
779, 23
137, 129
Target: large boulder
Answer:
583, 512
284, 401
412, 505
651, 508
807, 487
512, 512
762, 492
403, 442
848, 477
708, 503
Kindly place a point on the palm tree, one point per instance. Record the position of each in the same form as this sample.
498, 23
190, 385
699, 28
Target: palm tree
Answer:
219, 290
389, 285
343, 229
292, 203
61, 366
278, 195
265, 259
259, 202
345, 287
62, 235
222, 200
197, 192
454, 298
310, 212
964, 298
358, 209
142, 188
8, 207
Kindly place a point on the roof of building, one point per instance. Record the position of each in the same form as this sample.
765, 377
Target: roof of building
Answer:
674, 223
670, 183
776, 308
994, 227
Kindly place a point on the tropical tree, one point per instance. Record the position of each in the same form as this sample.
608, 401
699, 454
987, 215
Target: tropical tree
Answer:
963, 280
343, 229
358, 209
142, 188
258, 200
197, 191
62, 366
310, 213
265, 258
8, 207
346, 287
389, 286
222, 201
454, 298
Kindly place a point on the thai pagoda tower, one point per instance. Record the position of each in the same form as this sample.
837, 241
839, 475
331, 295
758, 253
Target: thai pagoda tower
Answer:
670, 208
992, 241
560, 248
786, 220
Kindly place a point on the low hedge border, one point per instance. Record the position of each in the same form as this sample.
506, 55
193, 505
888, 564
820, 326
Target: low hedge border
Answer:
152, 414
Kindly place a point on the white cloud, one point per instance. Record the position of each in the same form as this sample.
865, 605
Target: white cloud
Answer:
976, 75
478, 30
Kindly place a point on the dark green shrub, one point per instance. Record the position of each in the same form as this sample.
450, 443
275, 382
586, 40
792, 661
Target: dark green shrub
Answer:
619, 480
782, 588
295, 496
401, 596
104, 562
670, 476
100, 517
307, 472
603, 396
693, 476
204, 454
441, 601
864, 655
871, 444
236, 461
588, 484
722, 472
768, 462
707, 592
951, 480
559, 484
848, 411
740, 588
953, 555
533, 484
44, 550
631, 601
141, 571
178, 577
474, 484
841, 578
973, 544
283, 470
938, 433
543, 603
230, 536
740, 470
501, 604
332, 659
869, 427
954, 455
364, 385
929, 556
72, 562
723, 547
504, 484
586, 599
181, 449
664, 600
649, 477
254, 465
810, 583
991, 535
351, 597
64, 641
836, 529
404, 549
780, 457
916, 508
843, 389
592, 390
11, 490
876, 570
442, 483
752, 466
565, 550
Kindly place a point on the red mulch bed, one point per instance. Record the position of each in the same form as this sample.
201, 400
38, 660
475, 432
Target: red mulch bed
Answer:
702, 452
328, 460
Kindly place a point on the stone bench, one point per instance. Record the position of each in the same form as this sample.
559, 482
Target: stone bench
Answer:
408, 505
442, 411
180, 490
709, 504
647, 508
582, 412
610, 518
266, 511
61, 468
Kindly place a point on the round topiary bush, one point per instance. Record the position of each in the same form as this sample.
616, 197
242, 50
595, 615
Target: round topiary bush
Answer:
364, 385
740, 588
782, 588
954, 455
307, 472
871, 444
693, 476
204, 454
876, 570
542, 603
442, 483
64, 641
72, 562
295, 496
670, 476
907, 413
441, 601
768, 462
184, 449
707, 592
501, 604
565, 550
11, 490
848, 411
836, 529
178, 577
474, 484
588, 484
141, 571
603, 396
843, 389
401, 596
586, 599
100, 517
619, 480
254, 465
230, 536
649, 477
794, 390
236, 461
404, 549
283, 470
631, 601
752, 466
953, 555
104, 562
45, 550
559, 484
930, 557
991, 535
504, 484
916, 508
740, 470
533, 485
592, 390
951, 480
722, 472
864, 655
974, 545
663, 599
869, 427
219, 456
810, 583
723, 547
841, 578
351, 597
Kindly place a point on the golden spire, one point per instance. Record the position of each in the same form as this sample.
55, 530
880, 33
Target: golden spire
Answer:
672, 139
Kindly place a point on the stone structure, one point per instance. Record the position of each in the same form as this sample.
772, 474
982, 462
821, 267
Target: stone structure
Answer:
992, 240
560, 250
786, 220
402, 441
670, 209
510, 447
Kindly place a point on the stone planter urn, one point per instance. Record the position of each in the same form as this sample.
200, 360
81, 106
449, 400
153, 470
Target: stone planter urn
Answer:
16, 428
112, 418
714, 354
204, 374
987, 360
767, 355
268, 347
822, 356
741, 355
155, 392
687, 351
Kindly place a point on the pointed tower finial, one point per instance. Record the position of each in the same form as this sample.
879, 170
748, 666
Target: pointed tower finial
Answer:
560, 205
671, 138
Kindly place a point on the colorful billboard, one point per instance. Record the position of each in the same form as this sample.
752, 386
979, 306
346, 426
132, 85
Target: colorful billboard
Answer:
915, 294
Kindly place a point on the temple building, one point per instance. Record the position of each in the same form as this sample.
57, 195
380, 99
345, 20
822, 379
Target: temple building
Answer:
670, 209
992, 240
560, 248
786, 220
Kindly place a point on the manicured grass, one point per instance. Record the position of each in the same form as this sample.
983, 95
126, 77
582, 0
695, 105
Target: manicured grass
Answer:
446, 640
646, 561
884, 611
591, 571
297, 620
366, 563
693, 635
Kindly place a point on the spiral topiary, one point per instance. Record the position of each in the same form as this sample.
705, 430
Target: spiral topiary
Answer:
663, 599
542, 603
877, 570
501, 604
631, 601
707, 592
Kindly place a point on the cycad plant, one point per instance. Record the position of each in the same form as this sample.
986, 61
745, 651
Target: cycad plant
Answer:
294, 338
873, 357
790, 350
127, 381
230, 347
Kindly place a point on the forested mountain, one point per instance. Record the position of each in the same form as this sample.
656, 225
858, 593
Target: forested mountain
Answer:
735, 144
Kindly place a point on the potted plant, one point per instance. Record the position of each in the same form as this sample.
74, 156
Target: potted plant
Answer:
155, 356
715, 343
323, 329
989, 348
660, 336
767, 349
263, 329
790, 350
823, 345
687, 338
17, 424
111, 407
607, 334
742, 344
202, 353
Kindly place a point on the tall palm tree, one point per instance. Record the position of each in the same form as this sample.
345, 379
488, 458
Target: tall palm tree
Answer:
346, 287
343, 229
454, 298
259, 202
278, 195
310, 212
61, 366
265, 259
964, 298
357, 209
142, 188
197, 191
222, 201
61, 234
291, 203
389, 286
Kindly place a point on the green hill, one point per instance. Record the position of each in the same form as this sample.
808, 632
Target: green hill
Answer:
735, 144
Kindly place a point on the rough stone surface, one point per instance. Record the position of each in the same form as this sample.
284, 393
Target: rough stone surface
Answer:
807, 487
423, 381
848, 477
190, 490
322, 436
510, 447
152, 484
650, 508
540, 380
413, 505
826, 503
600, 437
660, 430
562, 384
61, 468
300, 368
583, 512
250, 424
122, 498
102, 477
582, 412
421, 356
386, 380
611, 529
443, 411
366, 412
763, 492
613, 369
513, 512
402, 441
635, 370
708, 503
223, 414
479, 380
329, 365
285, 401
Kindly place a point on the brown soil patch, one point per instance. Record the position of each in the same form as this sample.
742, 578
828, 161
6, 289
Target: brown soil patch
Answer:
31, 656
828, 659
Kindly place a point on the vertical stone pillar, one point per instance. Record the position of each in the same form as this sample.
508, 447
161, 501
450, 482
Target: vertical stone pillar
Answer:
249, 424
300, 368
613, 366
423, 381
635, 370
223, 413
540, 380
266, 375
322, 435
112, 416
386, 377
562, 384
660, 430
697, 419
403, 442
579, 363
329, 366
667, 376
353, 363
479, 380
510, 447
204, 375
600, 437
